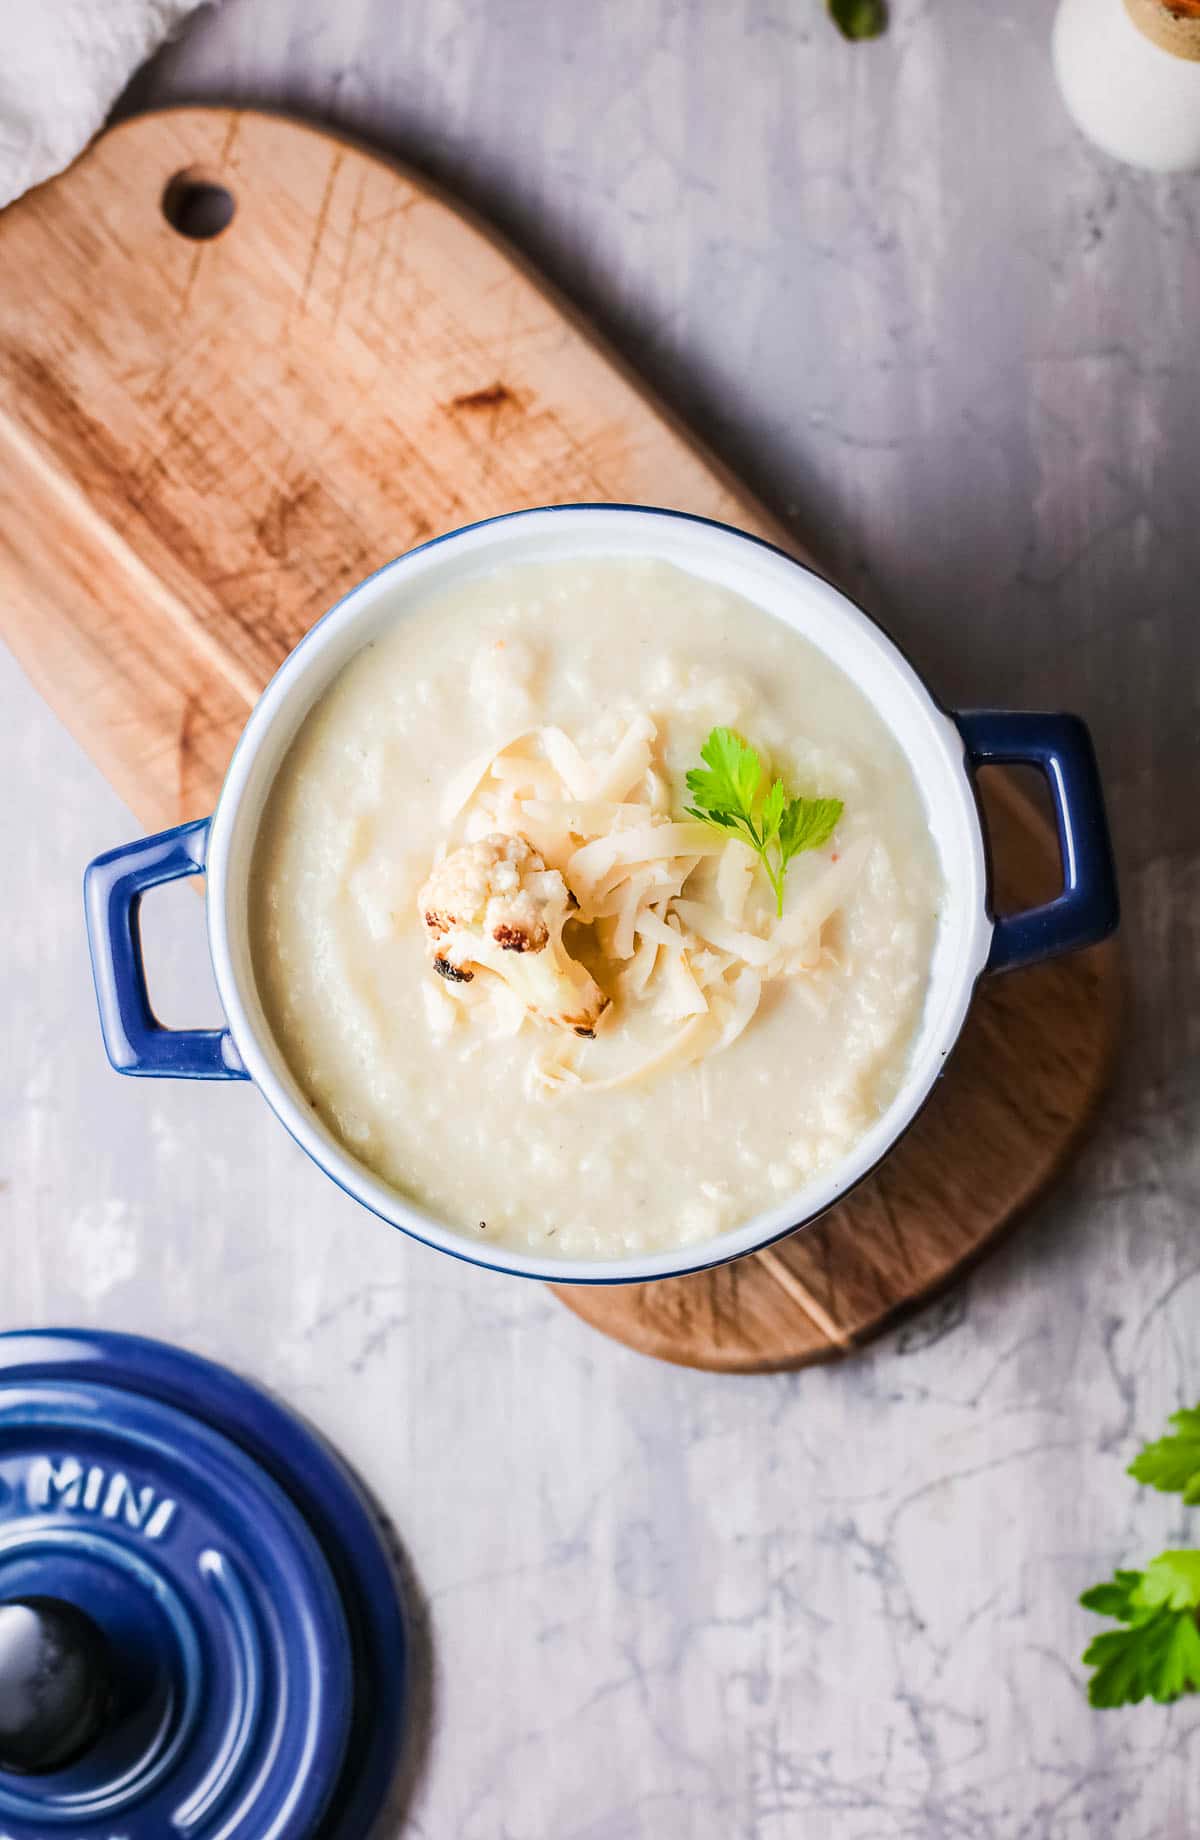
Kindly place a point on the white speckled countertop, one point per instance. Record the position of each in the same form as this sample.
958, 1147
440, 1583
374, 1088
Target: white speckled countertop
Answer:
958, 349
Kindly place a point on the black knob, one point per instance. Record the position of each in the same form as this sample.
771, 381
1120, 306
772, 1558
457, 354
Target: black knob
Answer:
56, 1689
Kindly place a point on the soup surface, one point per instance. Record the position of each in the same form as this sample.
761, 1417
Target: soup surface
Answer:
645, 1053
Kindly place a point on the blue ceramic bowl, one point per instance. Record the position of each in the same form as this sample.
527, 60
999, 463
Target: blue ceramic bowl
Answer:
943, 751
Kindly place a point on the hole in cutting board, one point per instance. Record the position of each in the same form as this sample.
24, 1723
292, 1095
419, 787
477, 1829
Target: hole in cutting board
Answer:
197, 205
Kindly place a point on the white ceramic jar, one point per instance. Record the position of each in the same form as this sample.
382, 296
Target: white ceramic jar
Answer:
1129, 72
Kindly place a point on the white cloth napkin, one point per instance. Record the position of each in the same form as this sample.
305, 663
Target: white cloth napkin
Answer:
63, 63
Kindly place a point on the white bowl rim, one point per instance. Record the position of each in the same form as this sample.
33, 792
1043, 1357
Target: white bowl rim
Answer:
767, 1226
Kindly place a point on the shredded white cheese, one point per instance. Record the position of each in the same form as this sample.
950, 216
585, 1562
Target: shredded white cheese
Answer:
465, 784
690, 953
706, 924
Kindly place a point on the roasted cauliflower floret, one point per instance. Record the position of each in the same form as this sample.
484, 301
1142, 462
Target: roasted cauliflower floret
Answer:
494, 906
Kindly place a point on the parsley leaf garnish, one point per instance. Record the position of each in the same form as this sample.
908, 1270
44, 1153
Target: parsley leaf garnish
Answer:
1157, 1654
859, 18
727, 793
1173, 1463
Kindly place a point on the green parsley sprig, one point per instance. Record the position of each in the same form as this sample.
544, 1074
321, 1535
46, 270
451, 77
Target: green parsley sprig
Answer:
728, 793
1156, 1653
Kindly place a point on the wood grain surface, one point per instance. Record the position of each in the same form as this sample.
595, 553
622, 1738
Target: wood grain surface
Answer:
204, 443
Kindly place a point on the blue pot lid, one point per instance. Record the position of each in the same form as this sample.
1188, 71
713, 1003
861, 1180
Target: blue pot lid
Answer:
240, 1584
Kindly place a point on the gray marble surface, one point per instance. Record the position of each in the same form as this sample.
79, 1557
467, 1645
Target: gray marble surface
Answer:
958, 350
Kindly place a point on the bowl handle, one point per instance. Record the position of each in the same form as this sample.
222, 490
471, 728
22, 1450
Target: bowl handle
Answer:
1088, 908
134, 1040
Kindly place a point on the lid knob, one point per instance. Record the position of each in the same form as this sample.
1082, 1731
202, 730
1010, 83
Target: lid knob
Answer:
56, 1685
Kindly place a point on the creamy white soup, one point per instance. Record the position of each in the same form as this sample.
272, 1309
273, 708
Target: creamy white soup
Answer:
538, 981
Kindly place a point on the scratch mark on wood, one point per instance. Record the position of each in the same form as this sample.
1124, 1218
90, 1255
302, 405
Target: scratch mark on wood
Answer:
347, 253
189, 280
231, 134
787, 1280
335, 166
187, 749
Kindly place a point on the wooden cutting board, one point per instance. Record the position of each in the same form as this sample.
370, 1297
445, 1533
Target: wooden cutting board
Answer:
204, 441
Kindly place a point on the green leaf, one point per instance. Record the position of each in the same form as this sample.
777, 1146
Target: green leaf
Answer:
1178, 1659
807, 824
733, 776
1115, 1599
1156, 1655
723, 818
772, 812
859, 18
1172, 1582
1173, 1463
1156, 1659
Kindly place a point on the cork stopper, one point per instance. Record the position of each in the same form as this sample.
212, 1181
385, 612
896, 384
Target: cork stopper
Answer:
1173, 24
